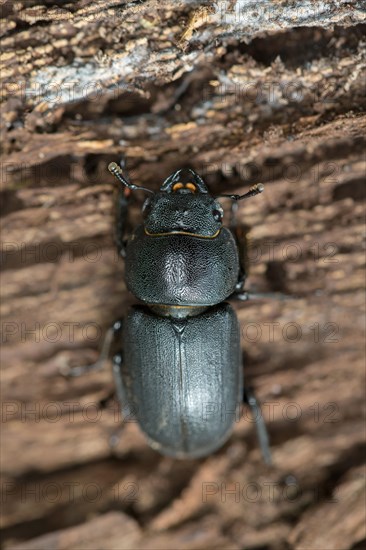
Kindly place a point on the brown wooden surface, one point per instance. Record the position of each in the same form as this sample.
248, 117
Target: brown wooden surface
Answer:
285, 107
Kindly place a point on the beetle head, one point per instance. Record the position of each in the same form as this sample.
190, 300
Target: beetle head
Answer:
183, 205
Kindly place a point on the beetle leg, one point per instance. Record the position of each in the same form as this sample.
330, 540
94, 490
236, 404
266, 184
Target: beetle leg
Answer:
244, 296
118, 381
104, 354
120, 393
240, 232
121, 222
250, 399
123, 201
128, 412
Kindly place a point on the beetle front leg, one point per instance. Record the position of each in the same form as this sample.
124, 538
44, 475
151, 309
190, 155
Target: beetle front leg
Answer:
250, 399
104, 354
123, 201
240, 232
121, 222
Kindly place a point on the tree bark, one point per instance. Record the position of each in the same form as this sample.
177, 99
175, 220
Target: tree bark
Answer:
242, 95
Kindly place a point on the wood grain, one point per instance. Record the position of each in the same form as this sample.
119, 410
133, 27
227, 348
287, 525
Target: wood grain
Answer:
283, 106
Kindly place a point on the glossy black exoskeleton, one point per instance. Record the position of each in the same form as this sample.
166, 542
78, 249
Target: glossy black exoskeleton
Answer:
179, 369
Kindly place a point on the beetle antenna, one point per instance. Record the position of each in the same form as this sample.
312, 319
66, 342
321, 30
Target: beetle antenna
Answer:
253, 191
118, 173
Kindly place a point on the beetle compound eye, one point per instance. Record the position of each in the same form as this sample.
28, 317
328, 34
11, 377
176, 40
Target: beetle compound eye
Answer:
217, 214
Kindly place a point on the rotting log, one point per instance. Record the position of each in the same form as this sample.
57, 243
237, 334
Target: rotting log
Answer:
241, 97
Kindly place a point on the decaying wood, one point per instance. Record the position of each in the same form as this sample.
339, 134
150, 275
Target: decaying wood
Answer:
240, 101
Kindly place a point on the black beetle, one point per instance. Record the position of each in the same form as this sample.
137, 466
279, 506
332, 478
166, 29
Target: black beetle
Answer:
179, 369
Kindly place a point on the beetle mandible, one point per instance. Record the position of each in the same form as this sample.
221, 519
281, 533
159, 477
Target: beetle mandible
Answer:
180, 356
